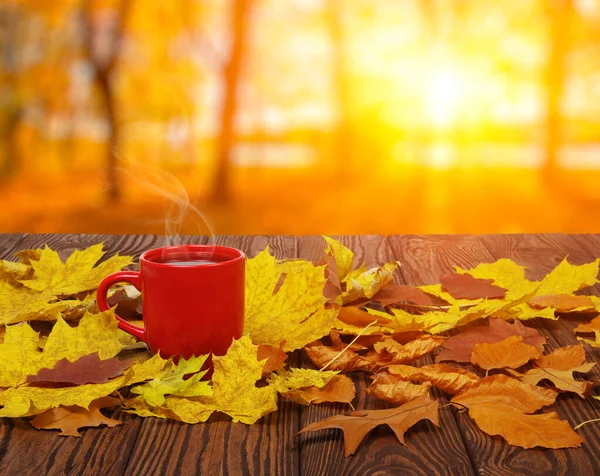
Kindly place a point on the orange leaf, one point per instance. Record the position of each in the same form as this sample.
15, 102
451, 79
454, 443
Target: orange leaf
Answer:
70, 419
449, 379
339, 389
357, 424
347, 361
562, 302
526, 431
592, 326
510, 352
275, 356
465, 286
558, 367
392, 352
394, 293
393, 389
500, 389
355, 316
460, 346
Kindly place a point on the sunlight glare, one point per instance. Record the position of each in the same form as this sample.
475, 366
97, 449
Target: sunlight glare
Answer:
443, 94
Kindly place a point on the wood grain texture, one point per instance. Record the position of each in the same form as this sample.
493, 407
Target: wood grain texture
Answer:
429, 450
25, 450
9, 242
220, 447
425, 259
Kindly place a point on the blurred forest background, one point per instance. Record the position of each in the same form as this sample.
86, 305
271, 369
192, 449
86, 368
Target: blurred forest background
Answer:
299, 116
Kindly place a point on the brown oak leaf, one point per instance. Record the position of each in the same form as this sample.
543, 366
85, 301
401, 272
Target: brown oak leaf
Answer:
87, 369
394, 389
396, 293
357, 424
509, 353
465, 286
460, 347
339, 389
449, 379
70, 419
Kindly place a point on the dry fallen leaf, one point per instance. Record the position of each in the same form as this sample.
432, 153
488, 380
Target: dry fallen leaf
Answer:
364, 284
592, 326
451, 380
296, 313
77, 274
70, 419
510, 353
563, 302
87, 369
460, 347
355, 316
465, 286
393, 294
394, 389
526, 431
558, 367
357, 424
275, 356
339, 389
390, 352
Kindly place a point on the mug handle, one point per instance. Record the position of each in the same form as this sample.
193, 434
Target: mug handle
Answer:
132, 277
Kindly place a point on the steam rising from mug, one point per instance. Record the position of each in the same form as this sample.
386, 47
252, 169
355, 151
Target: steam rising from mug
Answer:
163, 184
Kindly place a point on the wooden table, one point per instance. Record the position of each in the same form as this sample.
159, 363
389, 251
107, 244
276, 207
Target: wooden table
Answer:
155, 446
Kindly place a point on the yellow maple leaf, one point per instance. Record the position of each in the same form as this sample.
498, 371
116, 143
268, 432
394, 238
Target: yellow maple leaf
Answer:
170, 382
293, 379
41, 399
76, 275
567, 278
176, 408
18, 304
296, 313
11, 272
344, 258
21, 353
363, 283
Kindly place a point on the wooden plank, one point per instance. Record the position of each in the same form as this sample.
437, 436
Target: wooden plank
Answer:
428, 450
425, 258
541, 253
8, 243
220, 447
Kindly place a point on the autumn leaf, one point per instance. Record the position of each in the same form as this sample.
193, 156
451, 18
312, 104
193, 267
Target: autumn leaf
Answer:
592, 326
460, 347
296, 313
451, 380
77, 274
21, 356
394, 389
286, 380
563, 302
343, 259
18, 304
593, 343
394, 294
87, 369
392, 352
12, 273
465, 286
355, 316
170, 381
339, 389
503, 390
361, 283
509, 353
28, 400
567, 278
558, 367
345, 360
70, 419
275, 356
526, 431
358, 423
176, 408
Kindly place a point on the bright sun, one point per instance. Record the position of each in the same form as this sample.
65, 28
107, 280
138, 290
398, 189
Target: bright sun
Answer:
444, 90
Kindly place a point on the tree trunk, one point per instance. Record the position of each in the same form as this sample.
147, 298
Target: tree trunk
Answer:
112, 179
232, 70
559, 17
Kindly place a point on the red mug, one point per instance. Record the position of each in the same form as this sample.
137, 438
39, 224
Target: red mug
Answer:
192, 299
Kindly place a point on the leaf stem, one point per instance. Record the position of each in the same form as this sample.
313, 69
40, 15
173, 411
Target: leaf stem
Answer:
348, 346
585, 423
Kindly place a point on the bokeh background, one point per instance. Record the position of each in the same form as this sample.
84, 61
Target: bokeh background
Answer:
299, 116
